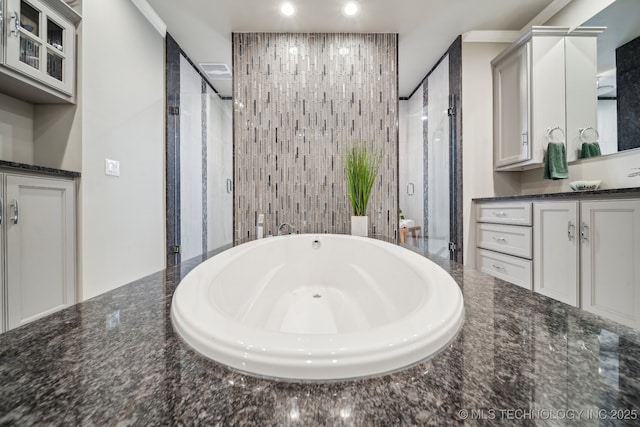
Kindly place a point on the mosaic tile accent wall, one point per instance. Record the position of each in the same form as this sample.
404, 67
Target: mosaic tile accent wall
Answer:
300, 100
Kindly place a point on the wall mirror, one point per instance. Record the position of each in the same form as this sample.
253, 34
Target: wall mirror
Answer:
616, 122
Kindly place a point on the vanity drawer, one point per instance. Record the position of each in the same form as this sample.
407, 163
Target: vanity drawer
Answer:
509, 268
514, 213
508, 239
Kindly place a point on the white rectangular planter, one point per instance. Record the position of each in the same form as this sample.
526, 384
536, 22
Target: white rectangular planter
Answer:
360, 226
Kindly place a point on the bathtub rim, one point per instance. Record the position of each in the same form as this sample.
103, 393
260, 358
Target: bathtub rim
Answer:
362, 354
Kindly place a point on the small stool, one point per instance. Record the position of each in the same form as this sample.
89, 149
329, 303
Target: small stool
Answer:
412, 230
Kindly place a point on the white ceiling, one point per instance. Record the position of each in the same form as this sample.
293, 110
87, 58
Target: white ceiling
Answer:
426, 28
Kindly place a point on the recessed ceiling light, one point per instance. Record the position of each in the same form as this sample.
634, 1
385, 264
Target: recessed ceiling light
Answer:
350, 8
287, 9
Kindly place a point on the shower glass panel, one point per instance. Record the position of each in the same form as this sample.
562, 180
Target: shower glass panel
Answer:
438, 161
206, 199
219, 171
191, 162
411, 179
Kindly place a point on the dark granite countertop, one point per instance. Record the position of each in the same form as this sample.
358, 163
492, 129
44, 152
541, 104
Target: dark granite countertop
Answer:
4, 164
520, 358
592, 194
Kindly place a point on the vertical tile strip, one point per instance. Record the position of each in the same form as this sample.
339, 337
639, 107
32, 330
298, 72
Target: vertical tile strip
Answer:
299, 101
205, 120
455, 89
425, 159
172, 150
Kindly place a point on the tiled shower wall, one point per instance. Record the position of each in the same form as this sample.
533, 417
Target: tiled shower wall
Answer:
300, 100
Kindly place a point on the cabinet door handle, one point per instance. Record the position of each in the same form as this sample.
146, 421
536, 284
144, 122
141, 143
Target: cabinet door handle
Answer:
584, 232
16, 212
499, 213
499, 239
16, 24
229, 186
524, 138
498, 267
571, 231
1, 210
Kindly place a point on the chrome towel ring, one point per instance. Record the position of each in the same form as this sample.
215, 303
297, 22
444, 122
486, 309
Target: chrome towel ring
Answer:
584, 130
550, 134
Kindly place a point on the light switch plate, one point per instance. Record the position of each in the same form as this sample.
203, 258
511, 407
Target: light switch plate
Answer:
111, 167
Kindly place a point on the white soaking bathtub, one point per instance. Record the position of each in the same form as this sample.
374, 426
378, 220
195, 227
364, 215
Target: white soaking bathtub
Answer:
317, 307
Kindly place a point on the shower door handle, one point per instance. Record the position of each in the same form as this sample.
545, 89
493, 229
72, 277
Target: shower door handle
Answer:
411, 189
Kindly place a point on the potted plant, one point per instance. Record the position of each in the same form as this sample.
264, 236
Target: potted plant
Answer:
361, 168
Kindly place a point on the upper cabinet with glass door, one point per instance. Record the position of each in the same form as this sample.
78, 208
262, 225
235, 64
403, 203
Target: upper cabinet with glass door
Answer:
39, 50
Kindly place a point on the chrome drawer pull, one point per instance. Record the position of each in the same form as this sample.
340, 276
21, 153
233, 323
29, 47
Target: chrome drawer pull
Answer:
500, 213
571, 231
497, 267
499, 239
584, 233
16, 212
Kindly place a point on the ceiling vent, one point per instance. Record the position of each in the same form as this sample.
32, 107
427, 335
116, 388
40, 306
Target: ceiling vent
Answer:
216, 71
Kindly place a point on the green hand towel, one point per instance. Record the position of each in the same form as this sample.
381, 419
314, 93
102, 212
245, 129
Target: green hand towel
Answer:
555, 164
590, 149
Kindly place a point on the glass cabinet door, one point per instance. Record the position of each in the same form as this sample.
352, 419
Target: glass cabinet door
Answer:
40, 43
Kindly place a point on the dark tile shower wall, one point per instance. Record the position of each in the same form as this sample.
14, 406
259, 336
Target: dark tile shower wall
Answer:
628, 81
299, 101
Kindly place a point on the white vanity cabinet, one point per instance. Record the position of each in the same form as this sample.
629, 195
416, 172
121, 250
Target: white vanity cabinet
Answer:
585, 252
610, 259
38, 231
556, 250
504, 241
543, 81
38, 52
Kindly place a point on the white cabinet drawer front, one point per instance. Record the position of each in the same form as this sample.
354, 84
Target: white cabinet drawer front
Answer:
511, 269
516, 213
508, 239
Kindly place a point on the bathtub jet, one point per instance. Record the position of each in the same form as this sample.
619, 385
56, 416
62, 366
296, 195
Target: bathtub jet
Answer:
317, 307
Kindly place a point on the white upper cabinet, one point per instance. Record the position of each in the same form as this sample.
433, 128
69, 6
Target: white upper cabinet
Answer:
511, 94
544, 81
39, 50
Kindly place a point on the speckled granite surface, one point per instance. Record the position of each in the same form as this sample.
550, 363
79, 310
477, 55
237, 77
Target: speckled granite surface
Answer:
520, 359
612, 192
4, 164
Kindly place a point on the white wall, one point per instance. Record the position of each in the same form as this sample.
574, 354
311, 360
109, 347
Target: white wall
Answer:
122, 234
57, 136
577, 12
16, 130
608, 125
478, 177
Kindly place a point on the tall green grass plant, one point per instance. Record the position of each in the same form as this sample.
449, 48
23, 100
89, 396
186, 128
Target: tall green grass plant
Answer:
361, 168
